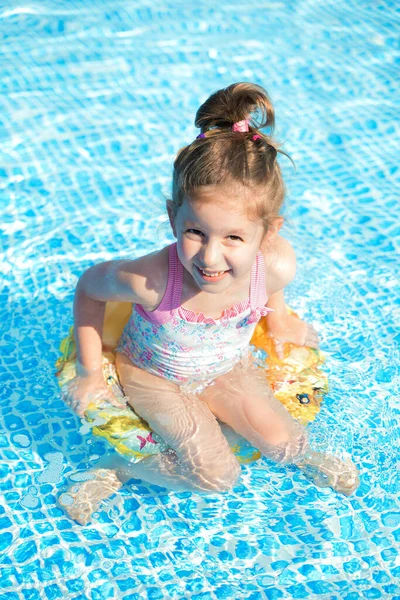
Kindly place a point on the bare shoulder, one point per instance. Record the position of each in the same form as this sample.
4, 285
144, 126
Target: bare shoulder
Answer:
148, 276
280, 264
142, 281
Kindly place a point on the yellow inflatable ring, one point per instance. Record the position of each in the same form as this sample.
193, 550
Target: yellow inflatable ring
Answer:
296, 379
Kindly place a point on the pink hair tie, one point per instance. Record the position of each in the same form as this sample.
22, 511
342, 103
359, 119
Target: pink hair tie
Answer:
256, 137
241, 126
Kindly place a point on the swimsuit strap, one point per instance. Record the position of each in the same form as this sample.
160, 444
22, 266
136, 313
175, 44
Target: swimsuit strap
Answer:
173, 291
172, 295
258, 291
175, 277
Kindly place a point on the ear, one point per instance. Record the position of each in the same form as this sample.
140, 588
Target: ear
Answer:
274, 228
170, 210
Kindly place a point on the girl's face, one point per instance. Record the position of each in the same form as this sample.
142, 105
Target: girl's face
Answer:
217, 242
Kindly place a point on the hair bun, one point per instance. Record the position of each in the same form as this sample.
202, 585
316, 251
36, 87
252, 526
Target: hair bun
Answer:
237, 102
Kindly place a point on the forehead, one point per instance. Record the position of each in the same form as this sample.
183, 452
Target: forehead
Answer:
234, 196
219, 205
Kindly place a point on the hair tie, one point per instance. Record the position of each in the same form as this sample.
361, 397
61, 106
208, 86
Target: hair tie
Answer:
241, 126
200, 136
256, 137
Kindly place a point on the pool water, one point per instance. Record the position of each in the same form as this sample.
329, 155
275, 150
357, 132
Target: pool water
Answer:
97, 97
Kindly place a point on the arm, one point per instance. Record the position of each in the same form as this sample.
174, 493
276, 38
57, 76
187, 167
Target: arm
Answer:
280, 271
139, 281
142, 281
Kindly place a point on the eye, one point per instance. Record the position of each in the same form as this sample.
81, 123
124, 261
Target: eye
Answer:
235, 238
194, 232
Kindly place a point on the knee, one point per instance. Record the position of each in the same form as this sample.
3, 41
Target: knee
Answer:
220, 476
288, 446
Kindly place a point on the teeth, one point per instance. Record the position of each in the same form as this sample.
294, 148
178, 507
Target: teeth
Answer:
212, 274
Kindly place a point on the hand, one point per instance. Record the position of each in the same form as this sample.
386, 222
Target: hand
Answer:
87, 389
292, 329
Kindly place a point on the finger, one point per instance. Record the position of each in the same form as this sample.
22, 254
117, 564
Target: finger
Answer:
312, 342
118, 403
279, 348
311, 334
312, 339
311, 330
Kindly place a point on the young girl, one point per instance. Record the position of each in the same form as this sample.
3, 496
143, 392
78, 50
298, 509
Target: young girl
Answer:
183, 360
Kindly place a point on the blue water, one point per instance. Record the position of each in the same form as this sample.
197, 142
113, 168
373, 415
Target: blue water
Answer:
97, 97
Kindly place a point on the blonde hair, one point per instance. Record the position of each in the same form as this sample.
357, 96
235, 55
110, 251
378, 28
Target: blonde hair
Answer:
222, 156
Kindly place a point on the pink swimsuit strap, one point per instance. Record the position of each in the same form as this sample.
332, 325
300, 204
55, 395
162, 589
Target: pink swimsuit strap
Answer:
172, 296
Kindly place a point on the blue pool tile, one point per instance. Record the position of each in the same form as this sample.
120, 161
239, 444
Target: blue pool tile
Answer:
121, 568
66, 568
92, 534
46, 575
30, 594
274, 594
69, 536
158, 559
4, 470
74, 585
154, 593
13, 423
103, 592
25, 551
26, 533
49, 540
64, 524
53, 592
392, 590
43, 527
5, 523
194, 585
372, 593
125, 585
389, 554
97, 575
298, 591
320, 587
244, 550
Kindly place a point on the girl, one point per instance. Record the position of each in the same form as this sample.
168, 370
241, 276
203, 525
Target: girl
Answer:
183, 359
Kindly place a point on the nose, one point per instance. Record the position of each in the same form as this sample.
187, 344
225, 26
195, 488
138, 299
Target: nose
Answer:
211, 254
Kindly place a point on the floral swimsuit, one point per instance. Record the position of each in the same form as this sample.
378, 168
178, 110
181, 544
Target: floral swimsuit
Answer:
186, 347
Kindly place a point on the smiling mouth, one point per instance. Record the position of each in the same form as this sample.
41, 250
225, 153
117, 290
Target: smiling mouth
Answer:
211, 274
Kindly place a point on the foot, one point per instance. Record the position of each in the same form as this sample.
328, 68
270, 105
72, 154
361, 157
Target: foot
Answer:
329, 471
82, 500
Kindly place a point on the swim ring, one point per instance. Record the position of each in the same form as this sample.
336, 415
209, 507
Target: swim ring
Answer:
295, 377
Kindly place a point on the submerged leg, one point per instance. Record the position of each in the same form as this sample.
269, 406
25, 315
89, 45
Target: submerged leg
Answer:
243, 400
200, 458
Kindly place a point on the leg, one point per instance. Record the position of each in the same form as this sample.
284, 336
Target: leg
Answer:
242, 399
201, 458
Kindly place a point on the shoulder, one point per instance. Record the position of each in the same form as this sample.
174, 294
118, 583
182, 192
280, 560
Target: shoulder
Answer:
141, 281
280, 264
148, 275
